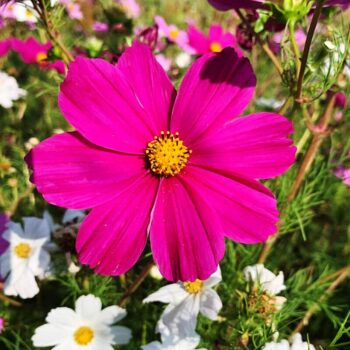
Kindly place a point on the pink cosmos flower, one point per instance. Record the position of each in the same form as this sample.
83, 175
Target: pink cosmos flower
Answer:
73, 9
216, 40
131, 7
32, 51
173, 34
300, 38
100, 27
179, 167
2, 324
343, 174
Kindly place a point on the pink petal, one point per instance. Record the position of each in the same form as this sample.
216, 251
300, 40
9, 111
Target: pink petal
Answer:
113, 236
186, 239
215, 32
109, 108
247, 209
216, 89
256, 146
149, 81
71, 172
197, 40
5, 46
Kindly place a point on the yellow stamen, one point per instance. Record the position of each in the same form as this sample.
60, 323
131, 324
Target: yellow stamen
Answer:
41, 56
193, 287
167, 154
174, 33
29, 13
215, 47
23, 250
83, 335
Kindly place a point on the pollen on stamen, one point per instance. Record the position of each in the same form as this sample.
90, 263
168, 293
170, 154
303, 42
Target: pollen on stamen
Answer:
167, 154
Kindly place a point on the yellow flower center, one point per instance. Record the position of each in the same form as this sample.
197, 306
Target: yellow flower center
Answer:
29, 13
174, 34
215, 47
167, 154
83, 335
41, 56
23, 250
193, 287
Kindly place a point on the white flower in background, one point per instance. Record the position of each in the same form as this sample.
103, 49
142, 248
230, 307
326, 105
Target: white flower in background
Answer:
269, 103
69, 215
183, 60
297, 344
174, 343
155, 273
53, 2
87, 327
24, 12
269, 282
9, 90
186, 300
25, 257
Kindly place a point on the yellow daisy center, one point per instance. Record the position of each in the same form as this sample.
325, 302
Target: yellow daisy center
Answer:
29, 13
41, 56
23, 250
83, 335
215, 47
193, 287
167, 154
174, 34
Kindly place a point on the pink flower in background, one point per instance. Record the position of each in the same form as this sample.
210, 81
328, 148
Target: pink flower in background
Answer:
173, 34
177, 167
163, 61
216, 40
300, 38
343, 174
2, 324
32, 51
73, 9
131, 7
100, 27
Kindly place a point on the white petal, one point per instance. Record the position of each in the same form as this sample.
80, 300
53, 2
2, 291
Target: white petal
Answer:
283, 345
88, 307
5, 263
214, 279
172, 293
298, 344
210, 304
122, 335
111, 314
155, 345
21, 283
35, 228
180, 320
63, 316
71, 215
49, 335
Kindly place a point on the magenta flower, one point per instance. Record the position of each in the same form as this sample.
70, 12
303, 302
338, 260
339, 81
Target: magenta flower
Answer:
2, 324
32, 51
216, 40
224, 5
179, 167
3, 223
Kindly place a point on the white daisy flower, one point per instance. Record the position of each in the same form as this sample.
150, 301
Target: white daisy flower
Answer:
25, 257
24, 12
9, 90
297, 344
88, 327
270, 283
186, 300
174, 343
